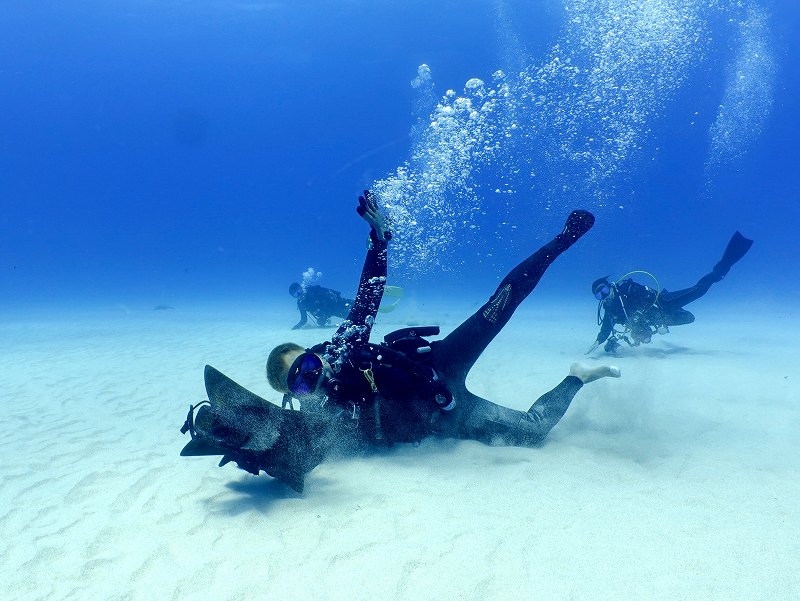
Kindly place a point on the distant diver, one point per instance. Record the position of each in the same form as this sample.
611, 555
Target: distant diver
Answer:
324, 303
321, 303
356, 396
642, 311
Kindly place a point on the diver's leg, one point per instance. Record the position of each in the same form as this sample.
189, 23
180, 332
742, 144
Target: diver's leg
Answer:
456, 354
475, 418
736, 249
549, 408
678, 317
670, 301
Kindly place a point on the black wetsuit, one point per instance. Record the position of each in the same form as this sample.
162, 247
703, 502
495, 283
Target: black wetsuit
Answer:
322, 304
410, 400
642, 310
377, 395
402, 410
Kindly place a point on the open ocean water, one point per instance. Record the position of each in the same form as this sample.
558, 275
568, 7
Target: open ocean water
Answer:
168, 152
169, 167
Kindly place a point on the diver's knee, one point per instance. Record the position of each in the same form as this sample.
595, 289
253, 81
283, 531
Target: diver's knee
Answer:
708, 280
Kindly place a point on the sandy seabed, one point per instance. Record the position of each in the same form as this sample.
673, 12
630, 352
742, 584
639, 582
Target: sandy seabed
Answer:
681, 480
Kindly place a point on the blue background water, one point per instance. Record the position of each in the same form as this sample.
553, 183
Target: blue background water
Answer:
170, 152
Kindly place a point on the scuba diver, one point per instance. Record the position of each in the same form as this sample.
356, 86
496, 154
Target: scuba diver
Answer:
643, 311
321, 303
356, 396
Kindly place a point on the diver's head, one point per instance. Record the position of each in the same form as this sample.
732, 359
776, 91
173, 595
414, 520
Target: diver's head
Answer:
296, 290
279, 362
602, 288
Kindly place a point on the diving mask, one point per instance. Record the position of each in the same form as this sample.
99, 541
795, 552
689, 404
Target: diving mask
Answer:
305, 375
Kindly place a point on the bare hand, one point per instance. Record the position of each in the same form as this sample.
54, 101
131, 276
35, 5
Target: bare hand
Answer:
369, 211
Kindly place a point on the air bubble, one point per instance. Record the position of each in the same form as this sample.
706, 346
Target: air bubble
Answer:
581, 115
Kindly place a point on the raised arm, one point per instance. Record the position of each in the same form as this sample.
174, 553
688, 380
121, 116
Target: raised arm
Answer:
356, 328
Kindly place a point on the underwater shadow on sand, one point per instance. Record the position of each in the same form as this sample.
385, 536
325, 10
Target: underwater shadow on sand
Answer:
260, 493
662, 351
432, 459
253, 493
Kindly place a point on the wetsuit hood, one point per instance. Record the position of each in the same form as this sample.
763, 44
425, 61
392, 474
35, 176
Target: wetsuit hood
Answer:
599, 283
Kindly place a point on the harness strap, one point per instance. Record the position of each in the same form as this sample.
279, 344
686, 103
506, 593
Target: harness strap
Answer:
370, 377
188, 425
376, 401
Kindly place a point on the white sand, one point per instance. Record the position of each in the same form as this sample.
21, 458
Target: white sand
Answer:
678, 481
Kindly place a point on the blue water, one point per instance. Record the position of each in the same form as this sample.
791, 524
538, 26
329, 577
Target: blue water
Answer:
203, 154
175, 152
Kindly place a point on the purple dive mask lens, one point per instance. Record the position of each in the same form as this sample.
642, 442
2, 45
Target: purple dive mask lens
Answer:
305, 374
603, 292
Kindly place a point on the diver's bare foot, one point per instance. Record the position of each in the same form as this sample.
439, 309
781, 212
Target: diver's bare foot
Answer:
588, 374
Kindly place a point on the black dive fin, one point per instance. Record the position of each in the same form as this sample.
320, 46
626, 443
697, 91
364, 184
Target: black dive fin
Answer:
736, 249
578, 223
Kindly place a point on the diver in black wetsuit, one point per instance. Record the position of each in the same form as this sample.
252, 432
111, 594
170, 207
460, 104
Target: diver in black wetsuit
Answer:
321, 303
642, 311
357, 395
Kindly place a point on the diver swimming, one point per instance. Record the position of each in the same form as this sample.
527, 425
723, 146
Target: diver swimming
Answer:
319, 302
641, 311
356, 396
323, 303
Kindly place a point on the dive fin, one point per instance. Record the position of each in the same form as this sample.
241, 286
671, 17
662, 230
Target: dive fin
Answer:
393, 292
578, 223
736, 249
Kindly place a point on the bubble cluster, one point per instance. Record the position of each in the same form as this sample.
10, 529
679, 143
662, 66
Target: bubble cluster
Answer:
310, 276
430, 197
619, 64
748, 96
569, 127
